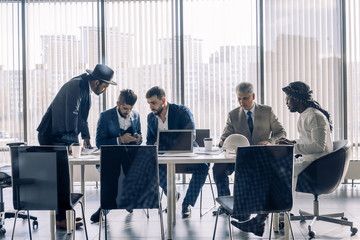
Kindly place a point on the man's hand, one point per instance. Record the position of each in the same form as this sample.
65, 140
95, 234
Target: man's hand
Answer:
285, 141
264, 143
87, 144
126, 138
137, 137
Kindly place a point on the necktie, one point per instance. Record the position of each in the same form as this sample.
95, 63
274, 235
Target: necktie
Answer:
250, 122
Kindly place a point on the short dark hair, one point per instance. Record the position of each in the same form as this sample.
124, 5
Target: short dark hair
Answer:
158, 91
127, 96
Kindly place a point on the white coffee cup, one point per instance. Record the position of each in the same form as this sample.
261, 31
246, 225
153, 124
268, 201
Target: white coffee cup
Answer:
208, 144
76, 150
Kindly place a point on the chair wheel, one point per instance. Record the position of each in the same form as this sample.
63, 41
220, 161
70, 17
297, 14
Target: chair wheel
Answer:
35, 224
281, 225
312, 234
344, 218
353, 230
2, 231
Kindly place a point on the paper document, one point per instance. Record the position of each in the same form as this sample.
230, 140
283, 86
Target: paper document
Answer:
90, 151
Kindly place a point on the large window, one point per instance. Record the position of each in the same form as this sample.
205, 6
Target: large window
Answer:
138, 47
11, 94
302, 42
220, 51
353, 73
62, 41
198, 51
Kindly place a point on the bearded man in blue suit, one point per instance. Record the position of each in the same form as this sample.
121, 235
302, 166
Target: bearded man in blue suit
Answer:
119, 126
167, 116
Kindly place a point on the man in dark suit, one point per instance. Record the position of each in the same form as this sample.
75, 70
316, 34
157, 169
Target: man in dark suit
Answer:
119, 125
67, 115
166, 116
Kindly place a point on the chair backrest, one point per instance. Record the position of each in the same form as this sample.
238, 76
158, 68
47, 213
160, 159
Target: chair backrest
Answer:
35, 177
129, 177
200, 135
263, 179
326, 173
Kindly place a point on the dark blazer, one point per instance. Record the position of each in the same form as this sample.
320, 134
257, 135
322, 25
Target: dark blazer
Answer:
108, 128
67, 115
179, 116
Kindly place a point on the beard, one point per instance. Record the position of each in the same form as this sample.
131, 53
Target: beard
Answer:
122, 115
159, 111
97, 90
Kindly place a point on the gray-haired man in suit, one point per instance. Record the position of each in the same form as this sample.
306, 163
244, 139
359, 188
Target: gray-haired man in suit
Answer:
256, 122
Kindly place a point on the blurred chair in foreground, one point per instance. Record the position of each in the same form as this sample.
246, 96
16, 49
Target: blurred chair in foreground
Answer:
129, 180
263, 184
36, 185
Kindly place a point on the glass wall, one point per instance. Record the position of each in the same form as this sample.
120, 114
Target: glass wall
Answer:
353, 73
62, 41
206, 47
139, 48
11, 77
220, 51
302, 42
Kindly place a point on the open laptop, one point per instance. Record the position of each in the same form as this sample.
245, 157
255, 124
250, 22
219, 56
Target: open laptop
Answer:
177, 143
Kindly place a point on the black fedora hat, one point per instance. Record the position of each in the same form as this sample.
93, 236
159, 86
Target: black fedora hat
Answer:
103, 73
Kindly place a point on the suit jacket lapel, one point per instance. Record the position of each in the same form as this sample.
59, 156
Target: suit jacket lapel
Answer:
132, 118
115, 120
170, 123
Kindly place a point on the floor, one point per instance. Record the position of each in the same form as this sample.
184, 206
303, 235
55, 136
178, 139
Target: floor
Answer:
122, 225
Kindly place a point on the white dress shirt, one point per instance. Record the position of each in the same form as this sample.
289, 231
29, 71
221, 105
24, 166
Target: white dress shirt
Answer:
124, 123
315, 138
163, 125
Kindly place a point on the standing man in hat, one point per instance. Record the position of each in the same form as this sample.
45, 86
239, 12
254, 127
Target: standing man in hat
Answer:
67, 115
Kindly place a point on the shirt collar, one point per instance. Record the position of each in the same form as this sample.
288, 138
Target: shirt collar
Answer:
252, 109
90, 90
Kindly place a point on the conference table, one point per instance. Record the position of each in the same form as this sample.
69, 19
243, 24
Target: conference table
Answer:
170, 161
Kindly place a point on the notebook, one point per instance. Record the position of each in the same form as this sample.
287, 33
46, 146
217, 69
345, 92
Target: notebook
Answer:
175, 142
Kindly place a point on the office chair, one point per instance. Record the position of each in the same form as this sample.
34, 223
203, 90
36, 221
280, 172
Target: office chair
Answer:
263, 183
129, 180
323, 176
45, 189
5, 181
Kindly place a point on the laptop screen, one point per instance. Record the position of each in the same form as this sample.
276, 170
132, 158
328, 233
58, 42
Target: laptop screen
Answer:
175, 141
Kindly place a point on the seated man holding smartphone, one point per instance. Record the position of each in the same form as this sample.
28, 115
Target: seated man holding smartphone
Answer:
119, 125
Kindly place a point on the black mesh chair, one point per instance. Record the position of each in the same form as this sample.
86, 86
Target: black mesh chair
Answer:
263, 183
41, 181
136, 188
323, 176
5, 182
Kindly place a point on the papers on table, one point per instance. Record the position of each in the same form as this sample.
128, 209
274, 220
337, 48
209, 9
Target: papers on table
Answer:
91, 151
213, 151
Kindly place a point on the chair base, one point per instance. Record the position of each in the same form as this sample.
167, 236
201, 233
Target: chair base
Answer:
327, 218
